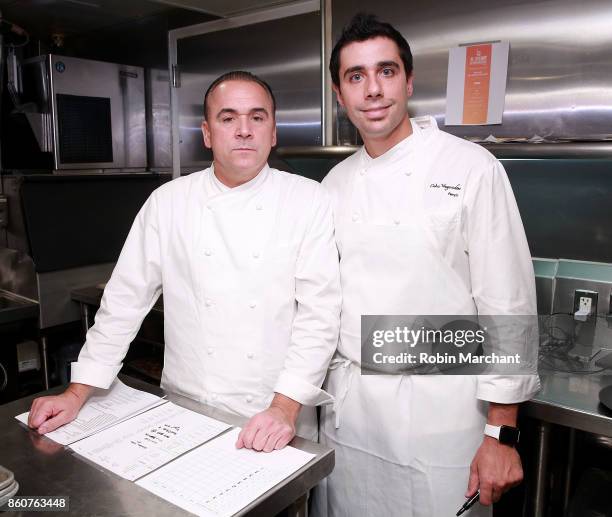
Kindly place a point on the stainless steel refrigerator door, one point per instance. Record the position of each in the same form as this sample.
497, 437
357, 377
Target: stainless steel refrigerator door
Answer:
282, 46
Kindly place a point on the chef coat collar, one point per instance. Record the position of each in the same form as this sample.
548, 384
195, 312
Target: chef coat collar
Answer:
420, 125
218, 187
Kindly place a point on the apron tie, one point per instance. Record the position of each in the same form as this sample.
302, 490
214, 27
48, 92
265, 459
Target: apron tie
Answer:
348, 369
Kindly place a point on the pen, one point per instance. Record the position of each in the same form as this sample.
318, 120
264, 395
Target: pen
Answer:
469, 503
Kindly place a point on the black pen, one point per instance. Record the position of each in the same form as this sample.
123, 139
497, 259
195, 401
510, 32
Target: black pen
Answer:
469, 503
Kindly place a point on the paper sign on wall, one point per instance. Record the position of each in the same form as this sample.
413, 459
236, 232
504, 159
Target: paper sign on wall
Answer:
476, 84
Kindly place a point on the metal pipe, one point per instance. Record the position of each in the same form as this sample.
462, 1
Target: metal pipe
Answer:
568, 469
543, 444
326, 89
45, 363
174, 106
567, 150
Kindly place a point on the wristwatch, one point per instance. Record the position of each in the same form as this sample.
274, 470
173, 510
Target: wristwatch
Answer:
504, 433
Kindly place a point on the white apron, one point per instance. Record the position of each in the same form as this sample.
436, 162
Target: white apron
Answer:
403, 443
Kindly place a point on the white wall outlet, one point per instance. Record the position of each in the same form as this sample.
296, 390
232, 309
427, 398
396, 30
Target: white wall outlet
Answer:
585, 304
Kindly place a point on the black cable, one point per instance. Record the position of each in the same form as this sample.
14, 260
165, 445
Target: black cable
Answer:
557, 349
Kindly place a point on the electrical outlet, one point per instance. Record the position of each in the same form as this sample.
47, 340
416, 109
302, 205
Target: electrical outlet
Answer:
585, 303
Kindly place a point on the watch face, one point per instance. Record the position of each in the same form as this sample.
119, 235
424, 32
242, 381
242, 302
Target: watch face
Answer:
509, 435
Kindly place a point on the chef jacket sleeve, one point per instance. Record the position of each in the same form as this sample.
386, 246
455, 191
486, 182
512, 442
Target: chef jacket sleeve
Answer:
501, 270
129, 295
316, 323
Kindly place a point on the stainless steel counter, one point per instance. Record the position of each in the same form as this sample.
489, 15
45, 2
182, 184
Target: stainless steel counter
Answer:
570, 400
43, 467
16, 308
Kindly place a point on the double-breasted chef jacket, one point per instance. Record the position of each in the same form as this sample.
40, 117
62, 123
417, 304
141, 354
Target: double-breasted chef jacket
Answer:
251, 292
430, 227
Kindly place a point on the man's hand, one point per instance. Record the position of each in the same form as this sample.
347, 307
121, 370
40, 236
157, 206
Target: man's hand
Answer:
496, 467
273, 428
49, 413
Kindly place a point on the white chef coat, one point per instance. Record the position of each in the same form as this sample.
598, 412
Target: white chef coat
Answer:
251, 292
429, 227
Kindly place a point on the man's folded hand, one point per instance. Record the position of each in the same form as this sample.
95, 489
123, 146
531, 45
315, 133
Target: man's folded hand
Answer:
271, 429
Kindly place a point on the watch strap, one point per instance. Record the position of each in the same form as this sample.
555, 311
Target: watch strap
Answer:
505, 434
492, 431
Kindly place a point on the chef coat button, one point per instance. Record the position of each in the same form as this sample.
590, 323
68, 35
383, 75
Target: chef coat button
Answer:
209, 207
355, 217
253, 304
396, 221
256, 254
408, 173
208, 253
249, 398
259, 207
362, 172
207, 302
250, 355
210, 350
213, 396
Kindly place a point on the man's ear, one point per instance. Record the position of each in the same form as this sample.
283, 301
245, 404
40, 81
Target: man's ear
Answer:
410, 85
274, 135
206, 134
338, 94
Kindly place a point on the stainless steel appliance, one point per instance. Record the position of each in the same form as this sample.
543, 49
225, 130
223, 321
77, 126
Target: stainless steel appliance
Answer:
87, 114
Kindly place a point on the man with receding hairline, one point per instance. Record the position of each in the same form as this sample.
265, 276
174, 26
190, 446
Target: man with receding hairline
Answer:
246, 260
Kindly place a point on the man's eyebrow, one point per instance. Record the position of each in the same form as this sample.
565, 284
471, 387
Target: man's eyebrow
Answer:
232, 111
356, 68
226, 111
380, 64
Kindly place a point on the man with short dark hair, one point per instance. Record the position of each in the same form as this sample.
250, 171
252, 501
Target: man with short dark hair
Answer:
247, 263
426, 224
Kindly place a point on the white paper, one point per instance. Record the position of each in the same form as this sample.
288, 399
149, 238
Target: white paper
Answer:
455, 92
145, 442
217, 480
103, 409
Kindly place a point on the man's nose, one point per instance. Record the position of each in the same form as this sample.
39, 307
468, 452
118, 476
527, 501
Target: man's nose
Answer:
244, 128
373, 87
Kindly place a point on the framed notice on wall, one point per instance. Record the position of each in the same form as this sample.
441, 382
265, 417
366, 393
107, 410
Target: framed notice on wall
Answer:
476, 83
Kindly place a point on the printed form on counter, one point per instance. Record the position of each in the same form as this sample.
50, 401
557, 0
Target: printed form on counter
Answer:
103, 409
145, 442
218, 480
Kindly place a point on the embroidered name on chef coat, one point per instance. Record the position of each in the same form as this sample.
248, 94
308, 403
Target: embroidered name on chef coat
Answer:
450, 190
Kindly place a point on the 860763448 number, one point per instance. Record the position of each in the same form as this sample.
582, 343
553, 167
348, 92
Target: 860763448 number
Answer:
38, 503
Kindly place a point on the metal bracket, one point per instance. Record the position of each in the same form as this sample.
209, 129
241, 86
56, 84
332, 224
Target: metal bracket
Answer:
3, 211
176, 77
